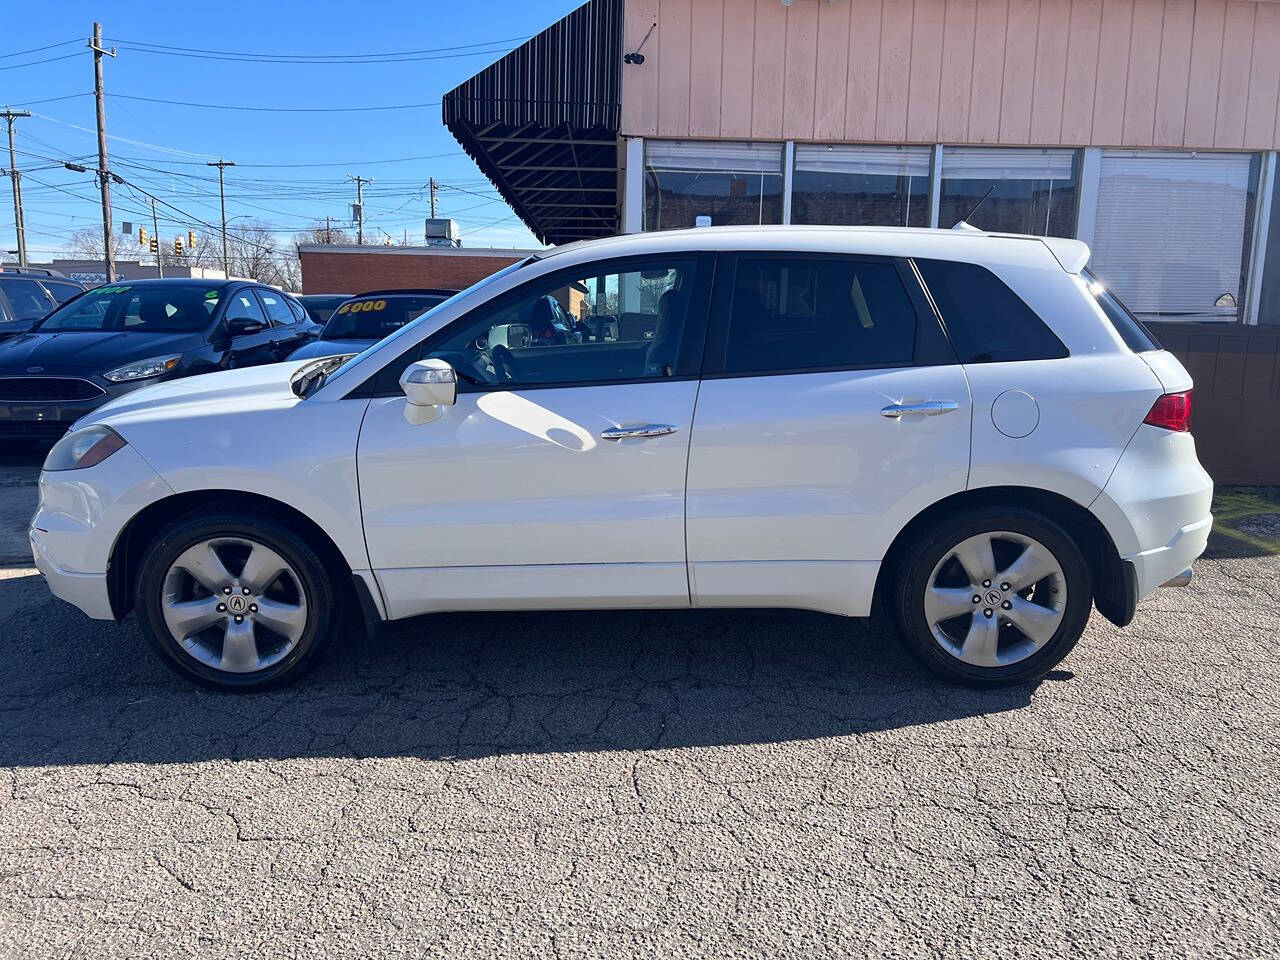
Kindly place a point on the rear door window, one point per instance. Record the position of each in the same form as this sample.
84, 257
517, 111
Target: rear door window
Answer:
987, 322
27, 298
61, 290
278, 311
791, 314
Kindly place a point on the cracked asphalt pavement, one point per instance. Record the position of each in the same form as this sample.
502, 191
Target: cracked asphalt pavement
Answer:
711, 784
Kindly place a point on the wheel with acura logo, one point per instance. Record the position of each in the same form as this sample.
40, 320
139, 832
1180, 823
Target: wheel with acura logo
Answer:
235, 600
994, 596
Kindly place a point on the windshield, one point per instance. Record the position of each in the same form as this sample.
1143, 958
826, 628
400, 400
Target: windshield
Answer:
372, 318
320, 308
137, 308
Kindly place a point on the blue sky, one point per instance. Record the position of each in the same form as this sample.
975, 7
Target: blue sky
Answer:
162, 148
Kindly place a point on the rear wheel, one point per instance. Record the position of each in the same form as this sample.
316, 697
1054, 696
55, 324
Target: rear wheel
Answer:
235, 601
993, 596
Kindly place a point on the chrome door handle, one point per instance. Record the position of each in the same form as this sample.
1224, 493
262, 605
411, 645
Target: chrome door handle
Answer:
925, 408
648, 430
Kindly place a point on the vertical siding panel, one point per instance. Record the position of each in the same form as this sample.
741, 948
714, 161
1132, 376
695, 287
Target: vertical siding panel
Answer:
1051, 71
736, 68
863, 84
1081, 73
767, 83
895, 69
1019, 70
640, 83
926, 70
988, 71
1264, 84
1233, 87
1174, 73
831, 71
1205, 67
1113, 72
801, 54
957, 70
1144, 68
673, 82
704, 68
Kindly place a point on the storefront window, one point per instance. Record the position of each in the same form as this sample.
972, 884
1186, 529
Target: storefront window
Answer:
1174, 230
1026, 190
729, 183
881, 186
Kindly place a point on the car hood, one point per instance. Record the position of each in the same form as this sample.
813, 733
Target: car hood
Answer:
84, 352
330, 348
208, 395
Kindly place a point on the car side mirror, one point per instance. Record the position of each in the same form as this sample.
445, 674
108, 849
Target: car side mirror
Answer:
244, 326
428, 385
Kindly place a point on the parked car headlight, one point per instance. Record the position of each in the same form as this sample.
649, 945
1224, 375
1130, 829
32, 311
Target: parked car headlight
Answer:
142, 369
83, 448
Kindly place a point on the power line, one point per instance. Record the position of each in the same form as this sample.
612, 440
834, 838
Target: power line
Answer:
36, 63
65, 96
50, 46
238, 107
323, 58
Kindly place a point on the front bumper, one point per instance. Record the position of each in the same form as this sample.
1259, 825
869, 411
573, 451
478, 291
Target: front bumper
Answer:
88, 591
79, 520
48, 420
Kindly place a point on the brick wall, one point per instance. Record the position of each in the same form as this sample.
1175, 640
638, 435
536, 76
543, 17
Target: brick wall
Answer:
382, 268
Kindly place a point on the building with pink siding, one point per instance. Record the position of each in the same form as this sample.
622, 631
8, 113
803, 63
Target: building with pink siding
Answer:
1148, 128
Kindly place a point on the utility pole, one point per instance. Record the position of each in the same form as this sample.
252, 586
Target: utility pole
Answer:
19, 224
432, 183
328, 231
222, 195
360, 182
104, 175
155, 235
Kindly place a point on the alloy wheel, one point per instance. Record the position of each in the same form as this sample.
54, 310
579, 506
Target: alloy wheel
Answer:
995, 599
234, 604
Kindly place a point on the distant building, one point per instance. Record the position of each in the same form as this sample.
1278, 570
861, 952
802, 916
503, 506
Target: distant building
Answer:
92, 272
348, 268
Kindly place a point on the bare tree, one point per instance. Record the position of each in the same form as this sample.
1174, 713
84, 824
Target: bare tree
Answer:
86, 244
322, 233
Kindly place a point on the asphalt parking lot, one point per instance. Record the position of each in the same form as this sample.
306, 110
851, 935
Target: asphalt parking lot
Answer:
651, 784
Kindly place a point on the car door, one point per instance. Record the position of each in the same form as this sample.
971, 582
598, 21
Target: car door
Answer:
551, 482
285, 335
250, 349
832, 410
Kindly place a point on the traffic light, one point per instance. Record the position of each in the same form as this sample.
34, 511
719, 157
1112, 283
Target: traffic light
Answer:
177, 246
155, 245
142, 236
191, 239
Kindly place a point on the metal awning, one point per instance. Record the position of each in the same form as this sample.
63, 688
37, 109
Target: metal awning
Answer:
542, 123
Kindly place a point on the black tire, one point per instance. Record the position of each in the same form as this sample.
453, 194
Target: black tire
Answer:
916, 566
309, 578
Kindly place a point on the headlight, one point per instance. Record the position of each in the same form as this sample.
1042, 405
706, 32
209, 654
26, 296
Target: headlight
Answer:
142, 369
83, 448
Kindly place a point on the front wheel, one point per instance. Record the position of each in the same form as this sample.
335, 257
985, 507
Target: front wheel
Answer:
995, 596
235, 601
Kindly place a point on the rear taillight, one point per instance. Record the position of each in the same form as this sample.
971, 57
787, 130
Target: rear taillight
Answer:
1172, 411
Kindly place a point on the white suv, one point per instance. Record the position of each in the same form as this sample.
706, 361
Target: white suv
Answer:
967, 425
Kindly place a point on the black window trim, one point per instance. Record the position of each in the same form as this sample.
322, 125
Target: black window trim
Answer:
931, 348
690, 355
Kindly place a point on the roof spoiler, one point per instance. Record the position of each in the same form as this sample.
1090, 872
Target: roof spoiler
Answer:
1072, 254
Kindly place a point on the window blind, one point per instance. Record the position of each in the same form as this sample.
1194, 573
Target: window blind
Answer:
713, 155
984, 163
1169, 237
883, 161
